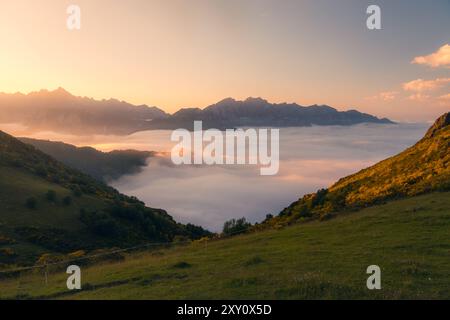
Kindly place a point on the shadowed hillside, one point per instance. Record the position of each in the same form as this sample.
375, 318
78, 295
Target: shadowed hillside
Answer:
103, 166
48, 207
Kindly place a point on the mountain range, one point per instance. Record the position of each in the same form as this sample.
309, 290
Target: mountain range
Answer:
63, 112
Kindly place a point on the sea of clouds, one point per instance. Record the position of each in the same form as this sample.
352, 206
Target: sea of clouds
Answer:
310, 158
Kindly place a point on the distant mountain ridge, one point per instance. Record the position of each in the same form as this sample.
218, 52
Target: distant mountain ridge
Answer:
62, 112
230, 113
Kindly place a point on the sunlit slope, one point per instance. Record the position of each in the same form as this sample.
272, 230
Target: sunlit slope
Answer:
422, 168
408, 239
46, 206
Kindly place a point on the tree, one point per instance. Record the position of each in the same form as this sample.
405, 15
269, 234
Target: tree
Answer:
76, 190
50, 195
234, 226
67, 201
31, 203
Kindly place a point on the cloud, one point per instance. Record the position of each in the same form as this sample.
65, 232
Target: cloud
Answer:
421, 85
444, 100
311, 158
384, 96
419, 97
440, 58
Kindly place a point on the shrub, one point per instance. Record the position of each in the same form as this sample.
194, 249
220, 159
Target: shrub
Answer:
51, 195
77, 254
31, 203
326, 216
253, 261
6, 240
48, 258
67, 201
182, 265
180, 239
76, 190
7, 252
101, 224
234, 226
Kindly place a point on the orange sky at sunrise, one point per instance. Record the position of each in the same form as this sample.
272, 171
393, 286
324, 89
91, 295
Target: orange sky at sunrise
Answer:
174, 54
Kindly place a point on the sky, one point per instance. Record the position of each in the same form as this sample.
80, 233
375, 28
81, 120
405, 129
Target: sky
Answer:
180, 53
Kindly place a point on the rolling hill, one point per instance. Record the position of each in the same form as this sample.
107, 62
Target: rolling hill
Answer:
408, 239
104, 166
46, 206
422, 168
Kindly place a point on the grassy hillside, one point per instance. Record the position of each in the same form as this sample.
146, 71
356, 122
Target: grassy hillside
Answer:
422, 168
104, 166
48, 207
408, 239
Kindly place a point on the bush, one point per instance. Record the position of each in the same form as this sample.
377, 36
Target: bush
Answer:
234, 226
76, 190
7, 252
101, 224
76, 254
326, 216
50, 195
196, 232
67, 201
182, 265
31, 203
48, 258
6, 240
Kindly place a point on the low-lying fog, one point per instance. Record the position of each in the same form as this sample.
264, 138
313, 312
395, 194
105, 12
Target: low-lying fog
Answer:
310, 158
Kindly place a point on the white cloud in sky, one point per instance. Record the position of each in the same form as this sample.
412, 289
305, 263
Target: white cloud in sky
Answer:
440, 58
444, 100
384, 96
421, 85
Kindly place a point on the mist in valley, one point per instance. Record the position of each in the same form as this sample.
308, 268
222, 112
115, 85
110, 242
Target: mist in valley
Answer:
310, 158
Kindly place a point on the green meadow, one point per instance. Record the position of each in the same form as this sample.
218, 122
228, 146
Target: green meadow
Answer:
408, 239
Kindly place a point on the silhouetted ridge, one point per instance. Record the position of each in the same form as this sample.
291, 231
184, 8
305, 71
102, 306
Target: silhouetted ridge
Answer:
60, 111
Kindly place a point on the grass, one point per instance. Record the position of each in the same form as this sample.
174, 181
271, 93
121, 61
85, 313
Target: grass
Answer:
36, 222
16, 187
409, 240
